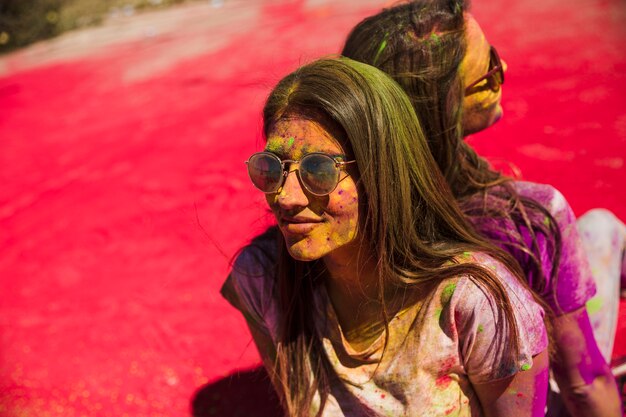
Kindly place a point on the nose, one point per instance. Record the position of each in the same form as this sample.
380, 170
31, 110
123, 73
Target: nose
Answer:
291, 195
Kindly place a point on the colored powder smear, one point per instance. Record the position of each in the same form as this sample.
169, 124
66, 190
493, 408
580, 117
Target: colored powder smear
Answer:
450, 410
443, 381
480, 328
290, 142
594, 305
526, 367
381, 48
447, 293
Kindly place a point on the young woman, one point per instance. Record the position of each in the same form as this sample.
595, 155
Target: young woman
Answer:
439, 55
376, 297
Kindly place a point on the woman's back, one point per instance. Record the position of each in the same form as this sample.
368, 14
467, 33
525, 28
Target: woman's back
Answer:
573, 283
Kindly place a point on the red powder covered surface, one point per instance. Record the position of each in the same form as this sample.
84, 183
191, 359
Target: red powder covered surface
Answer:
443, 382
124, 194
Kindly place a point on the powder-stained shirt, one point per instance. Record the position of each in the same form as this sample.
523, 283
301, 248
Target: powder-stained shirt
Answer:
436, 349
574, 281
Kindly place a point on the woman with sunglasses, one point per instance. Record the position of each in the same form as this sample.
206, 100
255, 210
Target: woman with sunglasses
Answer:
376, 297
439, 55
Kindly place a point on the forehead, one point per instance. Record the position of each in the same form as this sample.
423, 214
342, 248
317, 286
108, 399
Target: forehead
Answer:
296, 137
476, 59
473, 32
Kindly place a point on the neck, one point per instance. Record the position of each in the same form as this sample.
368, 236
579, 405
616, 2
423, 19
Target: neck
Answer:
352, 272
352, 286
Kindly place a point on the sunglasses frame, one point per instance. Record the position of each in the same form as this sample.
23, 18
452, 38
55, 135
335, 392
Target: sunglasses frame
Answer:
339, 164
495, 67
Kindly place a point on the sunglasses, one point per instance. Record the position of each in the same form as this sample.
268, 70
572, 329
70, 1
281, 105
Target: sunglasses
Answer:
318, 172
495, 75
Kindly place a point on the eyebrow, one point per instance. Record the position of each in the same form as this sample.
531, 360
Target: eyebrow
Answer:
285, 145
279, 153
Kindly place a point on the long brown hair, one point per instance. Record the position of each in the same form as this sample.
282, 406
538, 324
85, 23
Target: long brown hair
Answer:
414, 228
421, 45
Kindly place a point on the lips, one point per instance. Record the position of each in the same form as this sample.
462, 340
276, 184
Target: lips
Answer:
298, 225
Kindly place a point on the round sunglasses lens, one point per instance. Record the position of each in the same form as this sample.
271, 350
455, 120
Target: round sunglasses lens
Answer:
319, 174
265, 172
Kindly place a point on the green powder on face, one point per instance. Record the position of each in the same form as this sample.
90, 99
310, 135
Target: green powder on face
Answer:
594, 305
467, 254
291, 140
525, 367
447, 293
546, 221
480, 328
438, 313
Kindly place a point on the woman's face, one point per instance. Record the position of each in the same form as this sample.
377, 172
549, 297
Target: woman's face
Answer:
313, 226
482, 107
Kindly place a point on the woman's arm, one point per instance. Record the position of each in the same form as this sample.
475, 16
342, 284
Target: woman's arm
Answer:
521, 395
587, 386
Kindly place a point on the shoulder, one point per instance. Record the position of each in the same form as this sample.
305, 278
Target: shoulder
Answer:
472, 293
250, 286
574, 280
257, 260
476, 312
544, 194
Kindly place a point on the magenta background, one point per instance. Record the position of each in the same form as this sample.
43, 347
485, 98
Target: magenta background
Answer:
123, 192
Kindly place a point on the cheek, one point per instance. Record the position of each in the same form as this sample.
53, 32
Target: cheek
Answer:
344, 199
272, 202
481, 100
343, 206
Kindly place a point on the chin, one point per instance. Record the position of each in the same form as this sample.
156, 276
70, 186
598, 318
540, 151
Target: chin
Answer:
497, 115
481, 120
304, 250
474, 127
304, 255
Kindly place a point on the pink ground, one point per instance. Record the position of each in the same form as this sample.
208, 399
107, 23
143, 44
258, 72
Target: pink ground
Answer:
124, 192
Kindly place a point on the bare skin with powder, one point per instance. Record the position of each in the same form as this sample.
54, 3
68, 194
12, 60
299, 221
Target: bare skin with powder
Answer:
313, 226
481, 107
324, 227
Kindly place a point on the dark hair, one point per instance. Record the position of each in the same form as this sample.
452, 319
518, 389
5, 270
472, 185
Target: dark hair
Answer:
421, 45
415, 230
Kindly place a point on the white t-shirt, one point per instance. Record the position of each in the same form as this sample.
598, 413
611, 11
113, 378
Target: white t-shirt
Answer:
436, 350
